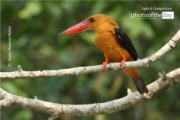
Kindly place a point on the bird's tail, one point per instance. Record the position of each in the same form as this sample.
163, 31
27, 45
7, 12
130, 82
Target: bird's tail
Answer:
141, 87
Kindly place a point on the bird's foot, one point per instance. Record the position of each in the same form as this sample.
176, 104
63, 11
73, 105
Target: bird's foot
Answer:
104, 65
122, 63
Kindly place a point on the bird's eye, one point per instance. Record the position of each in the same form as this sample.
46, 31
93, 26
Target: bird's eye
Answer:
92, 19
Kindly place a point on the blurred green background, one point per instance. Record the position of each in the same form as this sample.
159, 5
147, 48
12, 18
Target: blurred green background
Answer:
36, 45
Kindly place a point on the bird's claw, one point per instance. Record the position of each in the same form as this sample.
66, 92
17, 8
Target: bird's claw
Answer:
104, 65
122, 63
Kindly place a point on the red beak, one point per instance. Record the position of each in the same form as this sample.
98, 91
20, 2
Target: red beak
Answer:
77, 28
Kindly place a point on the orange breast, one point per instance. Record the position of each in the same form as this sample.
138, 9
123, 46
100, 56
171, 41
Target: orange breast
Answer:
112, 50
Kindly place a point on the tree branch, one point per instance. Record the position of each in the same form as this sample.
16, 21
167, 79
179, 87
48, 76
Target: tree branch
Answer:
56, 110
92, 69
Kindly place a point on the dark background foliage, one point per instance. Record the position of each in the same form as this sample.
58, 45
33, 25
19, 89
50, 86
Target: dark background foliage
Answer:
36, 45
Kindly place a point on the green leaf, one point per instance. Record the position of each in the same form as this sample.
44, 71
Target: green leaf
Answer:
31, 9
23, 115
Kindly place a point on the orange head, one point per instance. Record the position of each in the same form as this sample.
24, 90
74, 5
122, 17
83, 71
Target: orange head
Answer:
98, 23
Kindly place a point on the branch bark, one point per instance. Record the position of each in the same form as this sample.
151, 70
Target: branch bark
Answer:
92, 69
56, 110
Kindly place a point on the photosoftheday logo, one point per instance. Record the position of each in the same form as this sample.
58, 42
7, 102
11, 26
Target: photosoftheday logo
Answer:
152, 13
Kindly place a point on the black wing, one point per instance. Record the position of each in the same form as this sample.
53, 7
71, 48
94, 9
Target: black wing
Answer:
125, 42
